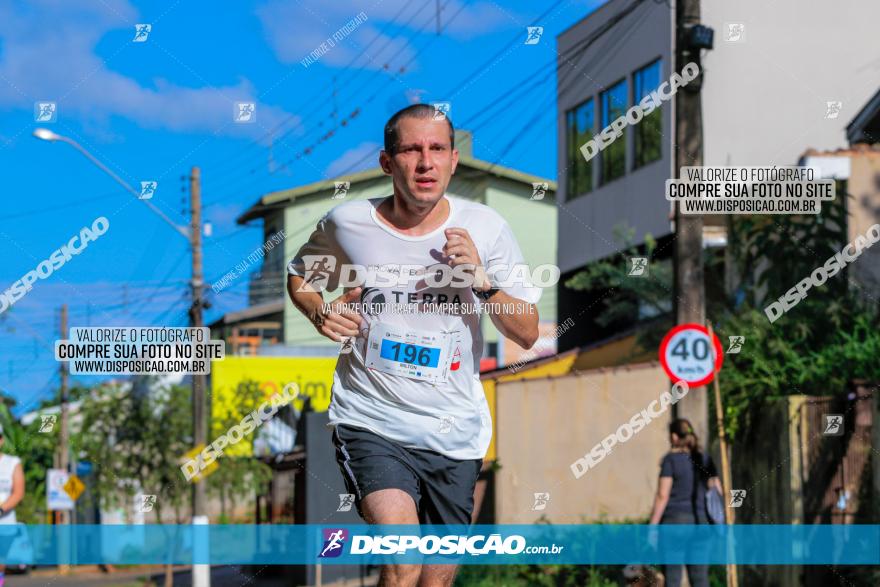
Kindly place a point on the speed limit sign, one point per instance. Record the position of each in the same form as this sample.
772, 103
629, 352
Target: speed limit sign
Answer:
686, 355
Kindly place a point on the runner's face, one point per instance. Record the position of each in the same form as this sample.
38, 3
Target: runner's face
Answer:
424, 162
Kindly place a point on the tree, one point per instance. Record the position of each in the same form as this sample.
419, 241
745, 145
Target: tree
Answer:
240, 476
830, 338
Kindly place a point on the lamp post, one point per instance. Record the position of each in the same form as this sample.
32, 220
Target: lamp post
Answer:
201, 573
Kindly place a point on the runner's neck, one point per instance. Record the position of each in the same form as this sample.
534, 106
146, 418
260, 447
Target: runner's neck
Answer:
394, 212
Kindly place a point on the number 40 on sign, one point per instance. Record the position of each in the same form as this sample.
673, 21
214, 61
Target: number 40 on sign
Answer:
687, 354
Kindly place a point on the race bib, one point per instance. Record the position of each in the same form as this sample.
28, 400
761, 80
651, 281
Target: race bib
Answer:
417, 354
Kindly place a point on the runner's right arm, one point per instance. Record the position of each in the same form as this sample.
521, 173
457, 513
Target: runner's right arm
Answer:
335, 320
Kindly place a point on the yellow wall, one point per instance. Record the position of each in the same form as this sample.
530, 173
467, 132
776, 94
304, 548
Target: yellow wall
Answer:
552, 368
312, 375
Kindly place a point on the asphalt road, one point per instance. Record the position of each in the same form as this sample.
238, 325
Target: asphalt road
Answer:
221, 576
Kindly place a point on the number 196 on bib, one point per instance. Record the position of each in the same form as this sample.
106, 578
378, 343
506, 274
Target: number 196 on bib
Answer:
412, 354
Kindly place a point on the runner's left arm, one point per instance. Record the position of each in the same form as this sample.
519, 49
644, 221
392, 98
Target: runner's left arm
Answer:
515, 317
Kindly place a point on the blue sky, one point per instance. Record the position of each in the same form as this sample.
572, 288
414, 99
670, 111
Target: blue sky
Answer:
152, 110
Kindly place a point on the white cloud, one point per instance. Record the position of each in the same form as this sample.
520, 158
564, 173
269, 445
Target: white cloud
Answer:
364, 156
48, 53
223, 217
314, 21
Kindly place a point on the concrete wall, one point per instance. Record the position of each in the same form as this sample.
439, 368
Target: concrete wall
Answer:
586, 226
864, 211
764, 100
543, 425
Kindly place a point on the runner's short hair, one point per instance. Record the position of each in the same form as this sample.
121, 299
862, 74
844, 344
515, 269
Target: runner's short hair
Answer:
414, 111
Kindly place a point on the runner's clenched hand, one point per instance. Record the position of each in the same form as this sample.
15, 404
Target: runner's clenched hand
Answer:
462, 250
339, 319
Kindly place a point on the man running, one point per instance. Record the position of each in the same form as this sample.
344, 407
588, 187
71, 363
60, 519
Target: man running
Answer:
411, 421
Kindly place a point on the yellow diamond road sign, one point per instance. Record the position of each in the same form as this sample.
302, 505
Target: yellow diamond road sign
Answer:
74, 487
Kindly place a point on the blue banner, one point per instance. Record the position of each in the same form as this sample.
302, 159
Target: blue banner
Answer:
484, 545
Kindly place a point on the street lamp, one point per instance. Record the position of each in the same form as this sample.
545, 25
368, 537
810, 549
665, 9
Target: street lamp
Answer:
201, 573
47, 135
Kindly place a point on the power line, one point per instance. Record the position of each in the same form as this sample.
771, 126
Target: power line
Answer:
316, 99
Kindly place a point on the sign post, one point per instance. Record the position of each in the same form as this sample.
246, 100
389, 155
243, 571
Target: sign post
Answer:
693, 353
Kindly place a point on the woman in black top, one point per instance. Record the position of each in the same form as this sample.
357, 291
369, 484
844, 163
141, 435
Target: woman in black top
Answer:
685, 474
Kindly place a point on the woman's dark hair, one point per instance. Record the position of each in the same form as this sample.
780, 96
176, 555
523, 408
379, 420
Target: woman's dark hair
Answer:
413, 111
687, 438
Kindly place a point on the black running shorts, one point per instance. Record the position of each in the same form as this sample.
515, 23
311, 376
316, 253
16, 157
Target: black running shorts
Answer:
442, 488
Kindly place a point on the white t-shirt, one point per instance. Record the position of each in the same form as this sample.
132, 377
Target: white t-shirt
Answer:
7, 468
448, 414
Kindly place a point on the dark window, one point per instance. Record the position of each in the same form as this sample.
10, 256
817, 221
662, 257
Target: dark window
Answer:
648, 132
579, 124
613, 157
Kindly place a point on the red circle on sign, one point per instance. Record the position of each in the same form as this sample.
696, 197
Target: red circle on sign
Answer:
719, 355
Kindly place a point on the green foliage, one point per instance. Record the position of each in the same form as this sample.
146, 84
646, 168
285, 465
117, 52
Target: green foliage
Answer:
629, 298
135, 443
830, 338
238, 477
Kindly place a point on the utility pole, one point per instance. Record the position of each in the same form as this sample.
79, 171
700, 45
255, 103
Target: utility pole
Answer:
689, 290
201, 573
63, 458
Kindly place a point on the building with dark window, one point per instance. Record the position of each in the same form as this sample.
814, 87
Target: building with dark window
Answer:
770, 85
